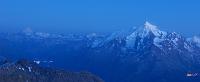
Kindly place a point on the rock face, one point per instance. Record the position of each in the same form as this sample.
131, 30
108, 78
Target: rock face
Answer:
26, 71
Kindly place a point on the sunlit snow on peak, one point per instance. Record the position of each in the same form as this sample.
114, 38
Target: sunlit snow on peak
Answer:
150, 26
146, 31
154, 29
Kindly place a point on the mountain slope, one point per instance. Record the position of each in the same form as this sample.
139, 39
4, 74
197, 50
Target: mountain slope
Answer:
26, 71
150, 53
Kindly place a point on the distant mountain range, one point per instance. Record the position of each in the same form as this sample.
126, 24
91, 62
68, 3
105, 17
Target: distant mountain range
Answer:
135, 55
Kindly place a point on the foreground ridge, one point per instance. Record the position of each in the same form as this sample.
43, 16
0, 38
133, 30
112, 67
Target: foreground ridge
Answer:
26, 71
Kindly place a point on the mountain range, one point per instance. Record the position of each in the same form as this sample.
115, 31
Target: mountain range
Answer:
134, 55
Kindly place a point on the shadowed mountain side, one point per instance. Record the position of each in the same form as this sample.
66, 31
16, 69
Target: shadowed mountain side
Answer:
26, 71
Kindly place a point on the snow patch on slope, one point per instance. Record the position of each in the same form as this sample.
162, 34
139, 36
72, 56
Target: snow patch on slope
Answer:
188, 47
37, 62
157, 42
29, 69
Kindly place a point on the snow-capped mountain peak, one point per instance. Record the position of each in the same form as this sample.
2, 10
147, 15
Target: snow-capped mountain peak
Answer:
150, 26
147, 31
154, 29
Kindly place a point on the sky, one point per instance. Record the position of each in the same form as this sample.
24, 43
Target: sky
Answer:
103, 16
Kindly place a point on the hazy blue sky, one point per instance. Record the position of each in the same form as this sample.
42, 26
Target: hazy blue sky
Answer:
99, 15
